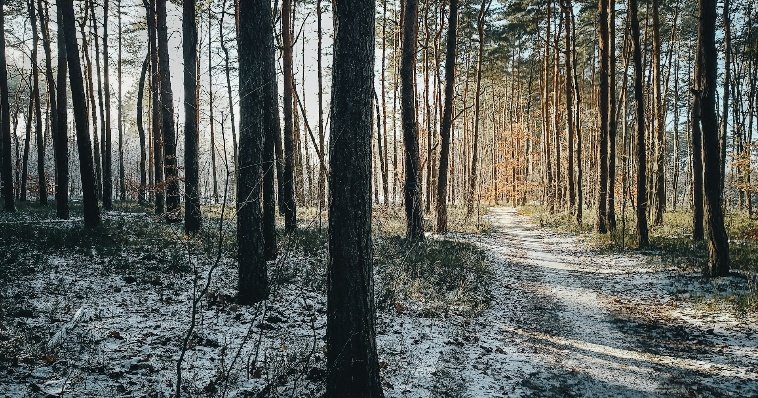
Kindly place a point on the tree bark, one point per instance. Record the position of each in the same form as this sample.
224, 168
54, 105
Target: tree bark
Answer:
659, 123
89, 199
718, 242
602, 210
352, 363
41, 177
477, 105
192, 215
6, 168
61, 132
253, 46
413, 211
641, 205
60, 151
447, 117
167, 116
612, 116
141, 197
105, 141
288, 177
155, 94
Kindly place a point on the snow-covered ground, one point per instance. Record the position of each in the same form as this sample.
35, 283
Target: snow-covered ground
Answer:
564, 321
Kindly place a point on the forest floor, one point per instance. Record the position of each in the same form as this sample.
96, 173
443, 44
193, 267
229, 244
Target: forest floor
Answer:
513, 310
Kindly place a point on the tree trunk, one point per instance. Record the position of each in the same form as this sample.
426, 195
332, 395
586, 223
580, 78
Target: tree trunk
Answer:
288, 177
254, 43
6, 168
105, 141
84, 146
141, 198
61, 132
157, 129
413, 215
477, 105
602, 210
718, 242
121, 171
612, 116
167, 116
566, 6
321, 139
211, 109
227, 72
447, 117
41, 177
727, 79
659, 123
641, 205
192, 215
59, 151
352, 363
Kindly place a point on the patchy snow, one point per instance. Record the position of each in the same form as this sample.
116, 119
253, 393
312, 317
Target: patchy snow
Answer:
564, 321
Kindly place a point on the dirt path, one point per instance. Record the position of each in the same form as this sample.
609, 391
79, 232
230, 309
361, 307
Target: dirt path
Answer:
566, 321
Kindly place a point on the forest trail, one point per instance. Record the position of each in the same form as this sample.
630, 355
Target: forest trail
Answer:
568, 321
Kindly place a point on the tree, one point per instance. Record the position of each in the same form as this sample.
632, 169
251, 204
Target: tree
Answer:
641, 205
167, 115
41, 177
105, 140
659, 122
254, 43
447, 117
119, 75
86, 169
288, 177
6, 167
352, 363
413, 215
477, 107
192, 215
155, 95
61, 133
718, 242
602, 210
141, 193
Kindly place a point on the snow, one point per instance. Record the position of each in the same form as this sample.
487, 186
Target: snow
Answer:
564, 321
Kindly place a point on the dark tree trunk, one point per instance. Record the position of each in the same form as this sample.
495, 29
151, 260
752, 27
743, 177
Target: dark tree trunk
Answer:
288, 177
157, 129
167, 116
602, 210
105, 140
192, 216
727, 79
321, 137
566, 7
447, 117
660, 125
413, 212
141, 197
227, 73
90, 87
61, 132
60, 150
254, 43
352, 363
272, 146
211, 110
642, 235
84, 146
612, 115
119, 76
6, 167
41, 177
27, 140
718, 242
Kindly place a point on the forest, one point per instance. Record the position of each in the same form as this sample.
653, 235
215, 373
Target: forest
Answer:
378, 198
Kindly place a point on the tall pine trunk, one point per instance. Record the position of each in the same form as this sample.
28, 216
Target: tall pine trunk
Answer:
6, 167
413, 212
602, 209
141, 192
192, 213
641, 205
447, 117
41, 177
718, 242
253, 47
288, 177
351, 359
86, 168
167, 116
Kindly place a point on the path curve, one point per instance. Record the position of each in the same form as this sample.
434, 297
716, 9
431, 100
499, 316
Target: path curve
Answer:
568, 321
